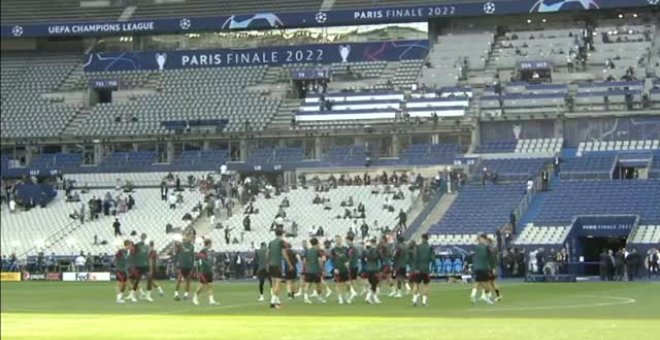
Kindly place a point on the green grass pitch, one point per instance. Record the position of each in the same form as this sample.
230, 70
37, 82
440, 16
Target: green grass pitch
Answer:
582, 311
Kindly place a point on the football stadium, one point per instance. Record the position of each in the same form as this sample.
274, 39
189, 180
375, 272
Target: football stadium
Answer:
330, 169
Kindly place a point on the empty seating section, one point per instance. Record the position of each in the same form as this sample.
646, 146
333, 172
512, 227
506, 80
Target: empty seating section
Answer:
601, 96
620, 145
547, 235
588, 167
551, 44
307, 215
570, 199
346, 155
645, 234
515, 169
128, 161
37, 11
203, 94
191, 8
480, 209
199, 160
59, 161
503, 146
419, 154
540, 145
455, 239
426, 104
107, 179
456, 52
277, 155
25, 78
351, 106
654, 171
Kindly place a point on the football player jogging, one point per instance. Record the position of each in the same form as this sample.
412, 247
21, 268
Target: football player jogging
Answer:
412, 248
121, 269
276, 254
385, 250
185, 262
261, 263
493, 274
205, 271
291, 272
372, 258
140, 264
353, 258
314, 263
153, 266
481, 265
302, 273
424, 256
400, 264
341, 270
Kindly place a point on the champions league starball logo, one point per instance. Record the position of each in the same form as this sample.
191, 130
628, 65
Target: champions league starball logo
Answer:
549, 6
321, 17
653, 2
489, 7
259, 20
184, 24
17, 31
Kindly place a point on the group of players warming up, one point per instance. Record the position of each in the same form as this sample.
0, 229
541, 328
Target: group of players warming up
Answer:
377, 263
381, 262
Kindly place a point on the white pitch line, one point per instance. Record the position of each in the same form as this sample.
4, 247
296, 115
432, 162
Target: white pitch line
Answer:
620, 301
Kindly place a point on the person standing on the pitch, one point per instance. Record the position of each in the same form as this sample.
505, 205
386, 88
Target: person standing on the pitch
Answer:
353, 264
372, 258
314, 264
276, 254
481, 264
153, 266
185, 262
205, 273
121, 269
291, 272
261, 263
400, 263
340, 262
140, 262
424, 256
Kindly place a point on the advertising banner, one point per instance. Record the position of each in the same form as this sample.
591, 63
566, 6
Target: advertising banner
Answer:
100, 276
272, 56
85, 276
53, 276
342, 17
5, 277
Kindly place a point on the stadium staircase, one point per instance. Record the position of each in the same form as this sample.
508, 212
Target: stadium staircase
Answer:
538, 201
286, 112
56, 237
273, 75
327, 5
436, 214
422, 212
76, 122
127, 13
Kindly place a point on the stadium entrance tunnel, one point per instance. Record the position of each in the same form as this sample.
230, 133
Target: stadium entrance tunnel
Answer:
592, 247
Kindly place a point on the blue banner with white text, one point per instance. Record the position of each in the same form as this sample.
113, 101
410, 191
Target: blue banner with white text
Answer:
277, 55
266, 20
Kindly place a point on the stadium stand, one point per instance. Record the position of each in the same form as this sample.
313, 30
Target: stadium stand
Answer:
36, 11
307, 215
572, 198
645, 234
480, 209
514, 169
595, 146
589, 167
209, 7
546, 235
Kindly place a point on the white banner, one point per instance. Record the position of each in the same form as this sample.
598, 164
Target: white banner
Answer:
84, 276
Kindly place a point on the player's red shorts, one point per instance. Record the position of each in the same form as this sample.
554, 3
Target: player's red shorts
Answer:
342, 277
353, 273
205, 277
364, 275
121, 276
386, 270
138, 272
184, 274
422, 278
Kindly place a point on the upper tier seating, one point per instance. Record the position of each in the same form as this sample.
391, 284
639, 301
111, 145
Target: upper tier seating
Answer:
588, 167
595, 146
59, 161
25, 78
540, 145
276, 155
573, 198
429, 154
480, 209
217, 93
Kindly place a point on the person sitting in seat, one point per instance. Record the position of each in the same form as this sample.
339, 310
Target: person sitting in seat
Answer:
398, 195
317, 199
285, 203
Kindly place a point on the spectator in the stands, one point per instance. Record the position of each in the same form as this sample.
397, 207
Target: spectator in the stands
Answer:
556, 163
247, 223
364, 229
317, 199
172, 200
320, 232
327, 205
530, 185
178, 183
163, 190
544, 180
116, 226
285, 203
402, 219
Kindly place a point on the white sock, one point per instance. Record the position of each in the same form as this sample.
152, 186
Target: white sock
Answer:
141, 291
119, 296
160, 289
353, 291
306, 296
474, 293
425, 299
272, 299
341, 299
415, 298
148, 293
176, 293
185, 294
211, 299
